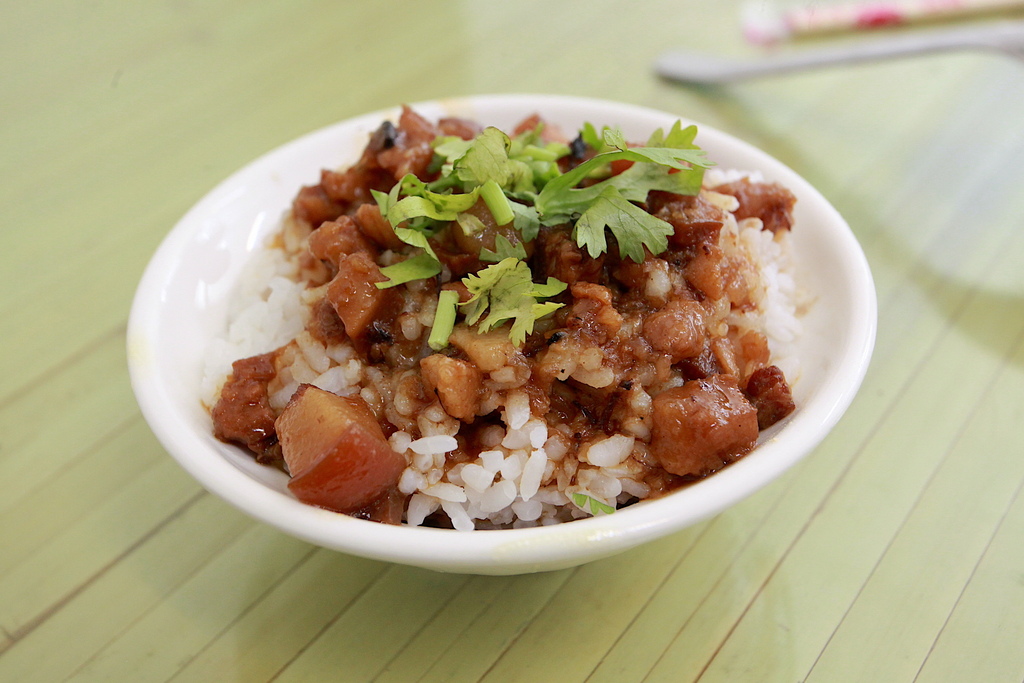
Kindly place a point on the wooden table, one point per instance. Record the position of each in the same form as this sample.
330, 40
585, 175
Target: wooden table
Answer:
893, 553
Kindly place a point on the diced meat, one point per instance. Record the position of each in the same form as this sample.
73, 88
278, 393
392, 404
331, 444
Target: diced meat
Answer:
366, 311
486, 232
337, 238
354, 185
561, 258
695, 220
702, 365
677, 329
454, 259
752, 352
702, 426
377, 228
325, 325
631, 274
412, 151
527, 124
489, 351
592, 312
461, 128
335, 451
770, 202
714, 276
739, 282
456, 384
243, 414
386, 509
548, 133
704, 272
725, 355
383, 138
769, 393
314, 206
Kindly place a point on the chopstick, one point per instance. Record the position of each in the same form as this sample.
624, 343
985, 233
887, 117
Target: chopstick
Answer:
764, 23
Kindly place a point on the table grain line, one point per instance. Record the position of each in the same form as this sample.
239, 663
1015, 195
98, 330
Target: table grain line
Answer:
954, 442
421, 629
512, 641
59, 604
105, 439
330, 622
451, 644
60, 365
675, 567
750, 537
657, 589
947, 327
241, 615
139, 616
974, 570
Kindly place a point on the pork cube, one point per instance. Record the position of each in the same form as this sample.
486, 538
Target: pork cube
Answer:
335, 451
702, 426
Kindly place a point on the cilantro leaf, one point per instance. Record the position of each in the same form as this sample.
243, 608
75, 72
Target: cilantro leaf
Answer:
415, 238
613, 137
422, 265
560, 200
485, 159
506, 291
596, 507
503, 250
451, 147
488, 158
421, 202
593, 139
633, 227
520, 181
670, 162
636, 181
417, 267
678, 137
526, 220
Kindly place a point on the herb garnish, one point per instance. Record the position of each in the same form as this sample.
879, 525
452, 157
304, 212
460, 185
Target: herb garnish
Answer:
591, 504
521, 184
506, 291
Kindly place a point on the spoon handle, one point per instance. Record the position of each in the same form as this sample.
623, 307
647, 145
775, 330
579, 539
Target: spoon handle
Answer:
692, 67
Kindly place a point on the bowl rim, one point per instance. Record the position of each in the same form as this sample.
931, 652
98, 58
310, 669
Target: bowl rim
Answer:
511, 550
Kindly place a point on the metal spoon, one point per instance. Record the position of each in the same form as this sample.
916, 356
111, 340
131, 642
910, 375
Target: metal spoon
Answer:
701, 68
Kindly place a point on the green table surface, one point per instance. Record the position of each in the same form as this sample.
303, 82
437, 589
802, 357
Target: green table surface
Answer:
894, 552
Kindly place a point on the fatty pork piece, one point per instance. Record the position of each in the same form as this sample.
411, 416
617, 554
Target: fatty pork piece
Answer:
702, 426
335, 451
456, 383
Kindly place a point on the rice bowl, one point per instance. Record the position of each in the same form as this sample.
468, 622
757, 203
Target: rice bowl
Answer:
191, 281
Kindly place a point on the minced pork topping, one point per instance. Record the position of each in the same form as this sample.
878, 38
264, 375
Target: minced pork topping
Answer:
510, 329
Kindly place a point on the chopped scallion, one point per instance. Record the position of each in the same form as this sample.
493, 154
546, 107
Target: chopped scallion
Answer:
444, 319
497, 202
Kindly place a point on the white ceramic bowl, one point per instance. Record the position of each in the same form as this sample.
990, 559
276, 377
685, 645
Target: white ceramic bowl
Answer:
181, 302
